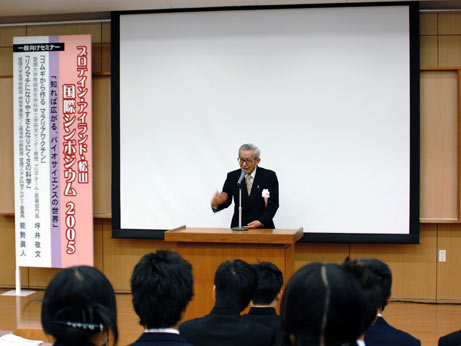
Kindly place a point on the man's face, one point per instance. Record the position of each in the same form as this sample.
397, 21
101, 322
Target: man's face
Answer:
247, 160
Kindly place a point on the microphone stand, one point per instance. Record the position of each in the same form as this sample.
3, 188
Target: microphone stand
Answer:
240, 228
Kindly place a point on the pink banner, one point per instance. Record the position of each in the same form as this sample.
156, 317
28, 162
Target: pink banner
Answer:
76, 199
53, 160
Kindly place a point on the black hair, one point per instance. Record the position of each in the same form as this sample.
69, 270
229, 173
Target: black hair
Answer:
383, 271
322, 305
79, 303
162, 286
270, 282
236, 282
370, 284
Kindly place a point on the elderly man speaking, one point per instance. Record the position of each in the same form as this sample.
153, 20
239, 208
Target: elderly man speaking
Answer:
260, 191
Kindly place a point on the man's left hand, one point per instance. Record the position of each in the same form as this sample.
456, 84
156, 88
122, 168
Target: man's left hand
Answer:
254, 224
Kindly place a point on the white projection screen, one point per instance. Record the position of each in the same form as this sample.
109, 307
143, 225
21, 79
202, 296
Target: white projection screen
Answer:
329, 94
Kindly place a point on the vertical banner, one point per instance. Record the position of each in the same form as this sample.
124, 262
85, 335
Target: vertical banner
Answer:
52, 151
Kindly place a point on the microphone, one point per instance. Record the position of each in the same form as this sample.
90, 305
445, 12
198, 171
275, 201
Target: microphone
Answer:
242, 175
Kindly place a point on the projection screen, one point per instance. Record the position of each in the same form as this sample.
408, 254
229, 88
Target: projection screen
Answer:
329, 94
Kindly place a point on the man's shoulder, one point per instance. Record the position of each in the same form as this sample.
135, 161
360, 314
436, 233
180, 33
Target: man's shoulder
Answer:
268, 320
265, 170
256, 318
383, 331
206, 320
450, 339
226, 327
194, 322
266, 174
255, 326
252, 330
161, 339
259, 170
235, 172
268, 312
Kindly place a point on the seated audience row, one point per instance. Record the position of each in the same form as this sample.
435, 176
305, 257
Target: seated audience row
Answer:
322, 305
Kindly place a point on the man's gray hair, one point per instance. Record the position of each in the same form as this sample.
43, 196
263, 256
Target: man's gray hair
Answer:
249, 146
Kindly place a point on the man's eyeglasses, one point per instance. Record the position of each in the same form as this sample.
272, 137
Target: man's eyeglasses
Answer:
247, 161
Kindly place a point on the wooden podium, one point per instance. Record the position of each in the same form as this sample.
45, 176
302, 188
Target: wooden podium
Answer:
207, 248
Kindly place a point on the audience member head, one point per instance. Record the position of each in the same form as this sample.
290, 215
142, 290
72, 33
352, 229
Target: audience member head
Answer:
381, 270
270, 282
235, 284
79, 307
162, 286
322, 306
370, 284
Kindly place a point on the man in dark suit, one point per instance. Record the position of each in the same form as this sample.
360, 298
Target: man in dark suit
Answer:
267, 295
260, 191
234, 285
161, 285
381, 333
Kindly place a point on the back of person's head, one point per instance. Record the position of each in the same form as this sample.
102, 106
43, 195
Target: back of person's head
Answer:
322, 306
270, 282
235, 283
162, 286
78, 304
370, 284
382, 270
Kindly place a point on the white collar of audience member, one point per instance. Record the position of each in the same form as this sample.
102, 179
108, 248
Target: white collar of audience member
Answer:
162, 330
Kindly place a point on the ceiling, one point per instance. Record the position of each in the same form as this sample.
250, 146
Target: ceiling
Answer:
27, 11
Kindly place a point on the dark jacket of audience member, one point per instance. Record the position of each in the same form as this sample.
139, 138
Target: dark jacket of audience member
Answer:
162, 286
268, 293
452, 339
381, 333
322, 304
265, 316
235, 283
79, 308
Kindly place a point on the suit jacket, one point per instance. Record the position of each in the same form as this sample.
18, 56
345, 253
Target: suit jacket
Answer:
452, 339
267, 316
253, 206
225, 327
160, 339
383, 334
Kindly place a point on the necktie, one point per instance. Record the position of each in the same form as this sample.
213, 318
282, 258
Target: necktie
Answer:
249, 182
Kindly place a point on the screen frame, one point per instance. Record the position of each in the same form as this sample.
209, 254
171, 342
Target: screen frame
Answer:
414, 194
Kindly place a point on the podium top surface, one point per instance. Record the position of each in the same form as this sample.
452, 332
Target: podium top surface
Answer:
226, 235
